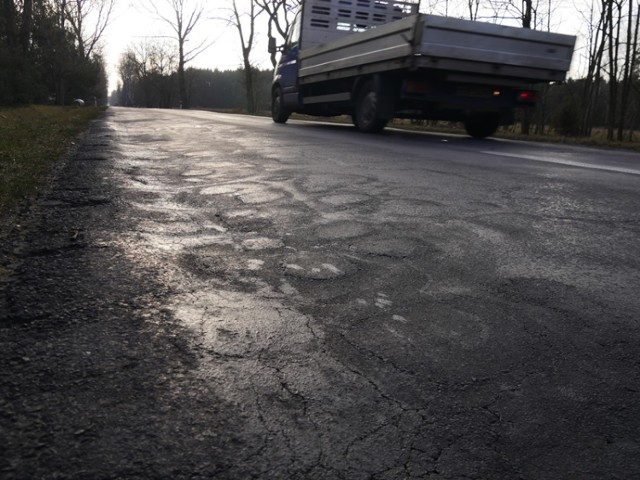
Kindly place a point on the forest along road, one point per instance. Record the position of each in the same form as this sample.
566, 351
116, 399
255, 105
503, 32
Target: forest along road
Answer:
216, 296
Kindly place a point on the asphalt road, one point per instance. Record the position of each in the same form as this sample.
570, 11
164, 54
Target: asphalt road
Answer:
388, 306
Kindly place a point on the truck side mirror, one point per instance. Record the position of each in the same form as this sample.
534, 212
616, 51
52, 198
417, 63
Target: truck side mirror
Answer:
272, 45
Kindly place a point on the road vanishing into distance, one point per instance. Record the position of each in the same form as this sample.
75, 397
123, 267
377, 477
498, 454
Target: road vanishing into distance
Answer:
392, 306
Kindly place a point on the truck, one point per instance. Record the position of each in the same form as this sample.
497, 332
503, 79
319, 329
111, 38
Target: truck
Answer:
376, 60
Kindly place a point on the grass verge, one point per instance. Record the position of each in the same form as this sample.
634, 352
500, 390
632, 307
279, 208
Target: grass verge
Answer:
33, 140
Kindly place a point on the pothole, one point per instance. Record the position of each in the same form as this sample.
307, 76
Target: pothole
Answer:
221, 190
341, 230
317, 266
262, 243
259, 197
347, 199
393, 248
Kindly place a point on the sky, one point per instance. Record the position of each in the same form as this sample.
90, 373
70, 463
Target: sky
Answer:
132, 24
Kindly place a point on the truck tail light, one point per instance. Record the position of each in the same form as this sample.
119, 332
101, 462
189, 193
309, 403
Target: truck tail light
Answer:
527, 96
416, 87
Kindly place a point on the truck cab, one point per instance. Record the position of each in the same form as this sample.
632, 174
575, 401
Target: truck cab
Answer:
285, 77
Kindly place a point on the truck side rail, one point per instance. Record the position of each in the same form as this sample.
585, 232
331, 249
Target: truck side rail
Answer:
325, 20
388, 46
444, 44
485, 48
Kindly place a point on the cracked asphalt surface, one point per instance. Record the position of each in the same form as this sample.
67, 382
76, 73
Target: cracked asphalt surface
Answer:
214, 296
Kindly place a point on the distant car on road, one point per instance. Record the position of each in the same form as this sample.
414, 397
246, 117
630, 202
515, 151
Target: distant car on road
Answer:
78, 102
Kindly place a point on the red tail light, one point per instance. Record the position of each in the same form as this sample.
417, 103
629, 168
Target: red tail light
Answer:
527, 96
416, 87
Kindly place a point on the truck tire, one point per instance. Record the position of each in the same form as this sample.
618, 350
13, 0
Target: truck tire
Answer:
482, 125
367, 114
278, 112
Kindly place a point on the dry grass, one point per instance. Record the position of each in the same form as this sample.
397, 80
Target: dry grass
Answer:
32, 140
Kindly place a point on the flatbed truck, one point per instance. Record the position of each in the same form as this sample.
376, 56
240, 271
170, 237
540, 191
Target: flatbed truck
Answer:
381, 59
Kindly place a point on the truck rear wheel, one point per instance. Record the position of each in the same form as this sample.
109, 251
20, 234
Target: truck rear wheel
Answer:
482, 125
367, 115
278, 112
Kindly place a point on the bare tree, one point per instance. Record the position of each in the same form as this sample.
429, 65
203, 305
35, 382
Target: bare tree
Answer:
129, 70
596, 23
183, 17
244, 22
474, 6
280, 14
88, 20
157, 61
612, 50
630, 65
10, 12
25, 29
446, 7
524, 10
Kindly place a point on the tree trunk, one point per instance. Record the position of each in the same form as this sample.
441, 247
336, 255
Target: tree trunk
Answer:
541, 111
9, 23
182, 23
182, 85
25, 31
614, 44
248, 78
527, 16
629, 68
246, 43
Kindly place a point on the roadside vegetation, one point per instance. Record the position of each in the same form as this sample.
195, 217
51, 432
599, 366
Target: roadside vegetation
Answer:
33, 139
50, 51
597, 138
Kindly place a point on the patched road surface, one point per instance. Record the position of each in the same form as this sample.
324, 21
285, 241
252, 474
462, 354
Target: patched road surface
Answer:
216, 296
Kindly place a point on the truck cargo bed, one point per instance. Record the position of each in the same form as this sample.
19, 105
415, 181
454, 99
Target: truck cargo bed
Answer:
450, 45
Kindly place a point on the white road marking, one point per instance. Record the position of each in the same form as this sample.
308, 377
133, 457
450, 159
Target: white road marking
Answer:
571, 163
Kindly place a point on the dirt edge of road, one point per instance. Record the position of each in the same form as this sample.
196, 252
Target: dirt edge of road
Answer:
89, 389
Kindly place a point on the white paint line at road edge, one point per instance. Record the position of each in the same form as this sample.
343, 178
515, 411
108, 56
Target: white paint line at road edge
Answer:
571, 163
